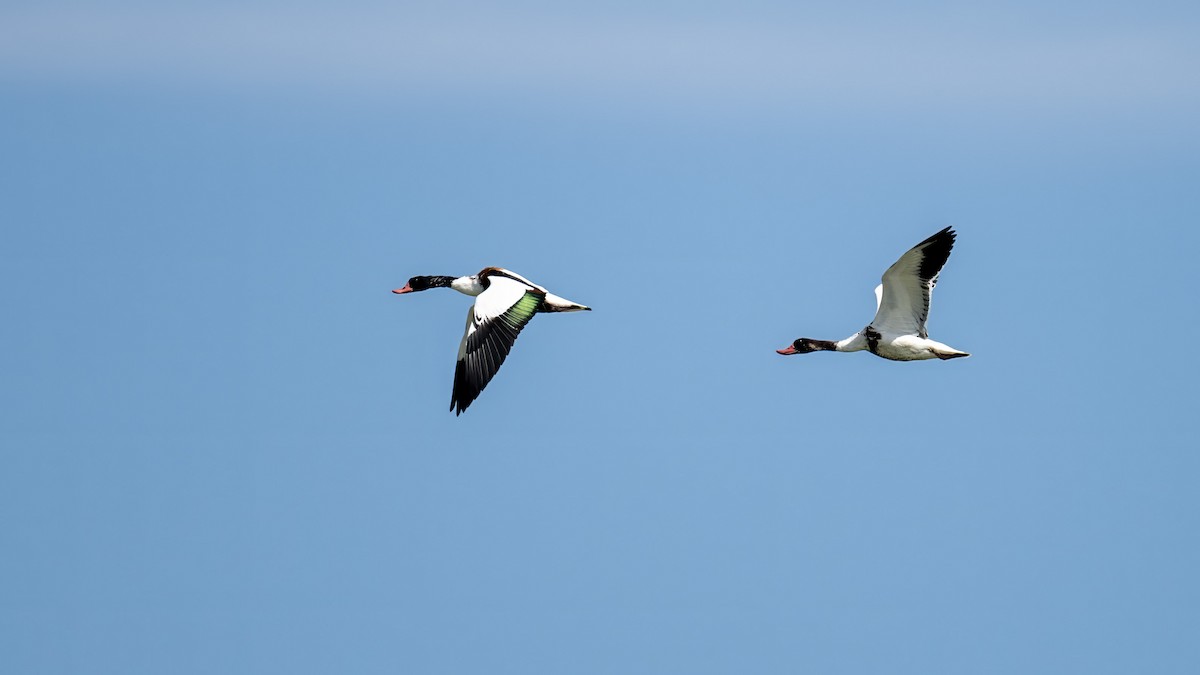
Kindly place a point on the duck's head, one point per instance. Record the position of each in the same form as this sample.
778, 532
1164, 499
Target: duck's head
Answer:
805, 346
424, 283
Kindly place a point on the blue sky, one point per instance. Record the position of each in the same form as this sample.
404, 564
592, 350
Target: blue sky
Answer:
227, 447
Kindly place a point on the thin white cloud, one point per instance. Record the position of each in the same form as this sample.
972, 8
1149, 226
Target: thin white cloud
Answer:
656, 59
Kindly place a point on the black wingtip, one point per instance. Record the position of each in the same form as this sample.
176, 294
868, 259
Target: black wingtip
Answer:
936, 251
946, 233
461, 394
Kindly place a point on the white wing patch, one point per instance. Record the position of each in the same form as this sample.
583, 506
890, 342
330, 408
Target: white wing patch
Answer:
501, 294
493, 324
904, 301
907, 288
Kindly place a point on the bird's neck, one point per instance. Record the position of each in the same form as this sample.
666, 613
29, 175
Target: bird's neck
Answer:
854, 343
466, 285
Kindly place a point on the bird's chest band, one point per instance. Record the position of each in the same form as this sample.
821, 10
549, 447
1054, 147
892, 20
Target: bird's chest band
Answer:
873, 337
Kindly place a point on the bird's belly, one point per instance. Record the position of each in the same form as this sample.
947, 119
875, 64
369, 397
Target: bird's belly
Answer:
904, 348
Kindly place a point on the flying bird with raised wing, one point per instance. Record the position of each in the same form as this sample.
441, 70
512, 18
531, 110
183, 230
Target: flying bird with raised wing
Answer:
902, 301
504, 303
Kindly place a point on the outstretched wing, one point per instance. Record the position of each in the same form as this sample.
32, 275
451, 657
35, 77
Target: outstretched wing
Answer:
908, 286
493, 323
